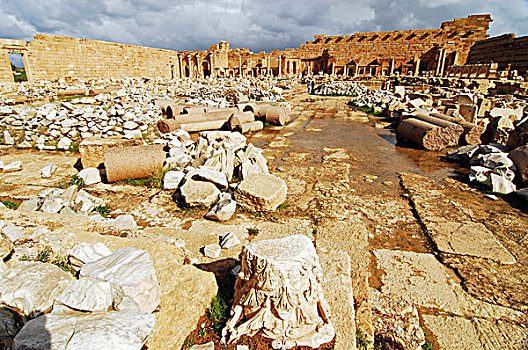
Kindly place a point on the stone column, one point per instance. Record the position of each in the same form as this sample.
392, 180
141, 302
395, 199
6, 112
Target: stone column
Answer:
357, 70
442, 63
392, 67
416, 67
280, 66
345, 70
278, 291
439, 62
213, 70
269, 66
180, 65
333, 68
189, 62
199, 66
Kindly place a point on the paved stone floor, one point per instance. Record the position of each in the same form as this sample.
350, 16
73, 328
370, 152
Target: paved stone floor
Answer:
389, 222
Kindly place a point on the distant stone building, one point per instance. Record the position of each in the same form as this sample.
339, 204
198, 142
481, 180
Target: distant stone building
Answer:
459, 47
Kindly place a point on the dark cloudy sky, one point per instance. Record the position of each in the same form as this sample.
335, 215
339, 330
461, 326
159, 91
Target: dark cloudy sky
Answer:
257, 24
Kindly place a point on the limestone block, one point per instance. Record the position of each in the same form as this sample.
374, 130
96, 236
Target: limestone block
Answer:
134, 162
92, 149
278, 291
519, 156
32, 287
261, 192
122, 330
199, 193
132, 269
87, 294
84, 253
224, 209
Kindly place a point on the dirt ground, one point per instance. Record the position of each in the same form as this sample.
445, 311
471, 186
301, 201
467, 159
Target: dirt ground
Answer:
387, 219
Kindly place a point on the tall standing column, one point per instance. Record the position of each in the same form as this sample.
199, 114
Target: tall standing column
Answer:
416, 67
442, 63
280, 66
180, 65
439, 62
392, 67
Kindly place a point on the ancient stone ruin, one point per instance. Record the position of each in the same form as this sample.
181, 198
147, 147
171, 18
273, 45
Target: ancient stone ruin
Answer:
361, 191
278, 291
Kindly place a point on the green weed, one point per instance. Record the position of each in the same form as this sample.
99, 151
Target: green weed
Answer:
77, 181
43, 255
156, 179
218, 313
62, 262
253, 231
10, 204
361, 339
103, 210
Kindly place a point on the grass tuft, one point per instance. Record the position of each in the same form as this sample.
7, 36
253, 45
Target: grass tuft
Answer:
103, 210
361, 339
77, 181
10, 204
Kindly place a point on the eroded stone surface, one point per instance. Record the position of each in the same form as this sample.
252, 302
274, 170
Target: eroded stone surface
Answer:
32, 287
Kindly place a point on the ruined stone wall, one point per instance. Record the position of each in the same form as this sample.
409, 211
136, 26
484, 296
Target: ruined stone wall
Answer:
53, 57
6, 75
378, 48
504, 50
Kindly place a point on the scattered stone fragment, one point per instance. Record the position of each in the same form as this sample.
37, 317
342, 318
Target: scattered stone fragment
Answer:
111, 330
172, 179
196, 193
206, 346
6, 246
90, 176
224, 209
31, 287
212, 250
29, 205
87, 294
133, 270
499, 184
13, 167
229, 240
261, 192
123, 222
85, 252
48, 170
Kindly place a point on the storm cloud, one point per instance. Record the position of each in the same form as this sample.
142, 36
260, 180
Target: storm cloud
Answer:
256, 24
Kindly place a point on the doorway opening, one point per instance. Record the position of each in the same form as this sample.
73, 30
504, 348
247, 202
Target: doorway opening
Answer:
17, 67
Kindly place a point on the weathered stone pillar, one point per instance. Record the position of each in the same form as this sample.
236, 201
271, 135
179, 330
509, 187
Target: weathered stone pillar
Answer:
213, 70
345, 70
199, 66
392, 67
280, 66
189, 62
416, 67
357, 70
333, 68
180, 65
439, 62
278, 292
269, 66
442, 63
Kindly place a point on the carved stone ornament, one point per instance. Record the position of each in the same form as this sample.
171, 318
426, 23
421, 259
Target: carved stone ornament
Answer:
278, 291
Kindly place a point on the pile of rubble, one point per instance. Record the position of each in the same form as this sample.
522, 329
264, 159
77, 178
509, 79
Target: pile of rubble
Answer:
58, 126
223, 93
110, 302
128, 110
494, 166
448, 118
214, 168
